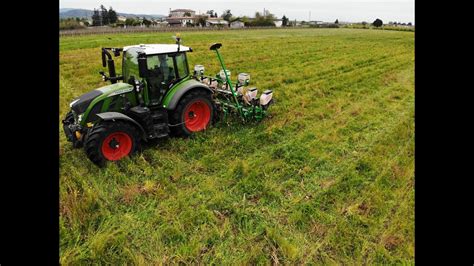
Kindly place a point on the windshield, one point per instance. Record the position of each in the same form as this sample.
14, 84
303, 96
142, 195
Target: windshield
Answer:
163, 65
130, 64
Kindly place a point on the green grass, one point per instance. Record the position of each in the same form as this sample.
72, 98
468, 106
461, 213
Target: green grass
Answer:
328, 178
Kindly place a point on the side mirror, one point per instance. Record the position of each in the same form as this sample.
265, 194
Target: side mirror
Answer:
142, 66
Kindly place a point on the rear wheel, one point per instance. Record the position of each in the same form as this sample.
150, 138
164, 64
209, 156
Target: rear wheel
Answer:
193, 113
111, 141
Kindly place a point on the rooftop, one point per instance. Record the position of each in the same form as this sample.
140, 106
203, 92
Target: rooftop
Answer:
158, 48
221, 21
183, 10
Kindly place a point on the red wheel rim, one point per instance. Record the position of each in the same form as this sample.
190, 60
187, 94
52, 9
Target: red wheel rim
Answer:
197, 115
116, 146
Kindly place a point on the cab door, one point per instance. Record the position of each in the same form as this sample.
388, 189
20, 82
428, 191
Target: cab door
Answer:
161, 72
164, 71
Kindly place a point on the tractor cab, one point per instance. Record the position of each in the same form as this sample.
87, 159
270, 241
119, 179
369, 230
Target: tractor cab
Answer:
160, 65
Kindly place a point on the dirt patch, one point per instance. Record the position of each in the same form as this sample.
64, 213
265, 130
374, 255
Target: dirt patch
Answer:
391, 242
129, 193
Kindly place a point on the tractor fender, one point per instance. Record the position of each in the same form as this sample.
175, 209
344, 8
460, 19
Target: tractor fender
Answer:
182, 91
112, 116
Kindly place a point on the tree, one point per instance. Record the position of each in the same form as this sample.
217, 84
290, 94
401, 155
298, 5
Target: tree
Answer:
284, 21
409, 24
201, 21
70, 24
377, 23
336, 22
210, 13
112, 15
227, 15
215, 14
260, 20
146, 22
96, 19
129, 21
137, 22
104, 15
269, 16
187, 14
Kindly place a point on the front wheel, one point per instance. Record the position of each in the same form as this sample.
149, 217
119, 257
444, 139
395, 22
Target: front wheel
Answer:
111, 141
193, 113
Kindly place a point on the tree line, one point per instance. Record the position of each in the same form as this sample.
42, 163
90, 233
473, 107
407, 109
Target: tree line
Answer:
103, 17
260, 20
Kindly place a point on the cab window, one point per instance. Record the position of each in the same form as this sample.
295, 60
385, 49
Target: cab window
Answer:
182, 65
162, 67
130, 64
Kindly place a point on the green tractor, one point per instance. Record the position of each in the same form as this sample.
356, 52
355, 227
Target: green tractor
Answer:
155, 97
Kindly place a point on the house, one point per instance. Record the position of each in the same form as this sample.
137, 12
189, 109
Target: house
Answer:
121, 18
159, 23
237, 23
178, 13
216, 22
278, 22
174, 22
316, 22
181, 17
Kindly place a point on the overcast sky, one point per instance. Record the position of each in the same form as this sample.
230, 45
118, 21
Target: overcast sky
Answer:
325, 10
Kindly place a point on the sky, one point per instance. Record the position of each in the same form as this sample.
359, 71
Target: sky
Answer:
323, 10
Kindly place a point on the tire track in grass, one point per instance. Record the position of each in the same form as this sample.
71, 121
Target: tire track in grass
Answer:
334, 120
252, 149
374, 187
346, 86
383, 134
330, 58
276, 217
329, 245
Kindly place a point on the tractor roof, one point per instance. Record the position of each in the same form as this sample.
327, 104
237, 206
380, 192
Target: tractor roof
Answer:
159, 48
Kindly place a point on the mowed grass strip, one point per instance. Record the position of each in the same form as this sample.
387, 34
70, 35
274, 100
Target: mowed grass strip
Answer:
328, 178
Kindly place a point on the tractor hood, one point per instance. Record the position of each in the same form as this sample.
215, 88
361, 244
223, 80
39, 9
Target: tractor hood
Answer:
79, 105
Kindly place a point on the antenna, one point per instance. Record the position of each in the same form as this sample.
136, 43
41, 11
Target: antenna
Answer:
177, 37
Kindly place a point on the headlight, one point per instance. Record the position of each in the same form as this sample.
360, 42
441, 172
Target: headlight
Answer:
79, 118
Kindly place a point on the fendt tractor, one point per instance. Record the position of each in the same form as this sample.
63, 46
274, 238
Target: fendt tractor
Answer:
155, 97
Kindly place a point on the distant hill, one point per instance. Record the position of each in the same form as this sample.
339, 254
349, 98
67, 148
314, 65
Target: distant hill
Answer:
85, 13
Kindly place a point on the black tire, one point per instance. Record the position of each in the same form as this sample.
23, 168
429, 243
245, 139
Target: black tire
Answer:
98, 134
177, 116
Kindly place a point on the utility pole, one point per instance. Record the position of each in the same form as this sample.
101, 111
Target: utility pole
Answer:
309, 18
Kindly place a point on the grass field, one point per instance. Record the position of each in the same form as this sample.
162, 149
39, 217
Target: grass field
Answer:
328, 178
